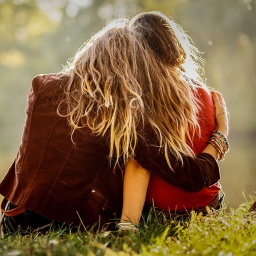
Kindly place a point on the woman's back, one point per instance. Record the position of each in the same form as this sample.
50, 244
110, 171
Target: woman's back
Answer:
168, 197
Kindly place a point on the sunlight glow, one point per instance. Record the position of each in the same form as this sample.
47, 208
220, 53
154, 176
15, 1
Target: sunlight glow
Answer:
20, 34
106, 11
18, 1
84, 3
12, 58
72, 10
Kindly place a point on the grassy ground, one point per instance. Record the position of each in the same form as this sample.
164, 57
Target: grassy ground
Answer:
232, 232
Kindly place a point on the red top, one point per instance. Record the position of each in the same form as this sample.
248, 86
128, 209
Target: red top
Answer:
168, 197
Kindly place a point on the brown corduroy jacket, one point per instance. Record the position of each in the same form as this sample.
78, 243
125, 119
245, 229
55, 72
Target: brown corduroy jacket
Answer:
70, 182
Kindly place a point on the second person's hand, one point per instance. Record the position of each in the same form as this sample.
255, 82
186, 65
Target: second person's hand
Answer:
221, 113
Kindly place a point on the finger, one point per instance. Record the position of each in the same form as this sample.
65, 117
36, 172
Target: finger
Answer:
218, 100
222, 101
219, 103
215, 99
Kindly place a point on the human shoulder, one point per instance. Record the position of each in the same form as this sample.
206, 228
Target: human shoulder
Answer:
52, 82
51, 78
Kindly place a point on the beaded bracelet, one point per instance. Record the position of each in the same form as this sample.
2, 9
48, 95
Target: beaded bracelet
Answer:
223, 137
215, 143
220, 143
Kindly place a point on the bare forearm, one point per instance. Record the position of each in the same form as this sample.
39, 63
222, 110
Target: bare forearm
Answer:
209, 149
136, 181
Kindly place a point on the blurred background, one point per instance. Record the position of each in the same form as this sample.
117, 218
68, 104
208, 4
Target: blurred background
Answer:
39, 36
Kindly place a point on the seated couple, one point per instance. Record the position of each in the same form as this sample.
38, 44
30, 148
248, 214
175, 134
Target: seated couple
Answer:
129, 120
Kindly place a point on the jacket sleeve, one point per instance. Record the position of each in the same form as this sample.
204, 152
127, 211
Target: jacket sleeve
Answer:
192, 175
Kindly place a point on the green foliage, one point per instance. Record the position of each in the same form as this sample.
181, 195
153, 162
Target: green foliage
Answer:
229, 233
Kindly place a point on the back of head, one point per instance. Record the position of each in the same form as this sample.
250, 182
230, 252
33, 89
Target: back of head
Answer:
104, 94
156, 30
169, 42
170, 103
131, 74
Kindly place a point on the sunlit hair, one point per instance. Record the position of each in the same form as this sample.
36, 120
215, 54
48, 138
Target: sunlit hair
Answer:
133, 73
170, 43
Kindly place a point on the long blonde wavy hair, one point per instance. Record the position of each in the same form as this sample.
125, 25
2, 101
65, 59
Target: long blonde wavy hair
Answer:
136, 72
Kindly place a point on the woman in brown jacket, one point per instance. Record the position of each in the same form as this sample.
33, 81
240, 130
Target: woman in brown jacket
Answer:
116, 100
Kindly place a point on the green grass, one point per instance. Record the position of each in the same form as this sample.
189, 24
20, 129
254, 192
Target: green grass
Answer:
232, 232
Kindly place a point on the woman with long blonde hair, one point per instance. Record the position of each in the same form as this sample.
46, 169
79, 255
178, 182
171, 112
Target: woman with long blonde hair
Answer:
120, 98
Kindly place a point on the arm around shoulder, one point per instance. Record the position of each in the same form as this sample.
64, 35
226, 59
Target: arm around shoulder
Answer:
194, 174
